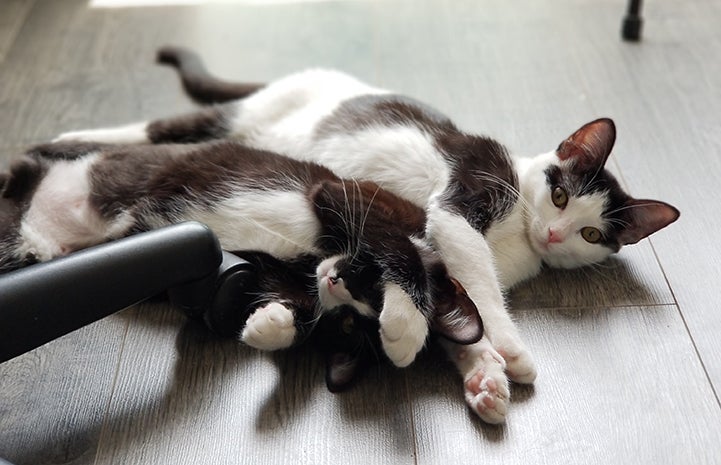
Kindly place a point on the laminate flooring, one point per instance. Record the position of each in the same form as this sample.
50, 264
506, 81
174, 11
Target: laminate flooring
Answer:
628, 351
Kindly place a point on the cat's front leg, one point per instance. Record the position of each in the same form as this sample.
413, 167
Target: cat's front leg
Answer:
403, 328
270, 327
470, 261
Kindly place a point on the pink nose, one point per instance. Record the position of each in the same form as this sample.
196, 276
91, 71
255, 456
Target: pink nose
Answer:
554, 237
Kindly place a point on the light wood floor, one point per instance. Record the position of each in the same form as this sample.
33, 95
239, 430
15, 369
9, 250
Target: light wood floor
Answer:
629, 352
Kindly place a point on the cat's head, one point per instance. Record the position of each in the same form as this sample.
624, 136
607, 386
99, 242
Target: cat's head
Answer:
350, 291
578, 213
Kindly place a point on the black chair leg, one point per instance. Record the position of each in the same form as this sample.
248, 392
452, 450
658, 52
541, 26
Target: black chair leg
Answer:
632, 23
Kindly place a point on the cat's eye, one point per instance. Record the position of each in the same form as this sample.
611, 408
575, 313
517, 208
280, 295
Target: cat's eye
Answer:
591, 235
347, 324
559, 196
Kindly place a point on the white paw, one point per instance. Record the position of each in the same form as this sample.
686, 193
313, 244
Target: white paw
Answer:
80, 136
270, 328
520, 366
486, 388
129, 134
403, 329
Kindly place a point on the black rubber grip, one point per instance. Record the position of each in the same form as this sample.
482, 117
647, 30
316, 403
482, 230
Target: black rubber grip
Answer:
48, 300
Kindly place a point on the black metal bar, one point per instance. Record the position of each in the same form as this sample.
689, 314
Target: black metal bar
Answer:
48, 300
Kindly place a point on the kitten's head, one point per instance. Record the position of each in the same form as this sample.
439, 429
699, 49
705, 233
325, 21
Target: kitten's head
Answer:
350, 280
350, 291
350, 343
578, 212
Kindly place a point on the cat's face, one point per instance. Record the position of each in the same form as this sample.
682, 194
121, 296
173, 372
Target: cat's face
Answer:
577, 213
344, 280
350, 291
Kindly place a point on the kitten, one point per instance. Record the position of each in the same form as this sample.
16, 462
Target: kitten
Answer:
494, 219
69, 196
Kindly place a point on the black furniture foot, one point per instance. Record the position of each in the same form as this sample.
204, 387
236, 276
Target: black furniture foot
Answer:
632, 23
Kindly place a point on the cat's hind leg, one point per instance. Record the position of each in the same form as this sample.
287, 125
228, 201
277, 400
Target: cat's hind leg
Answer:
202, 125
270, 327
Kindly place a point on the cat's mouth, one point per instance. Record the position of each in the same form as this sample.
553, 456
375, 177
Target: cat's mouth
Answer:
539, 238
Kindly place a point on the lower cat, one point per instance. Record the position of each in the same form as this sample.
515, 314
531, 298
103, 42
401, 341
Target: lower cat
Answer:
367, 244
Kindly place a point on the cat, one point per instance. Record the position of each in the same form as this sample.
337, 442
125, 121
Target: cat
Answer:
346, 331
495, 219
365, 245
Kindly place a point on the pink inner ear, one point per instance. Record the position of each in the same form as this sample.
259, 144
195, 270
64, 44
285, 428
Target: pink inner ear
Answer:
645, 217
591, 144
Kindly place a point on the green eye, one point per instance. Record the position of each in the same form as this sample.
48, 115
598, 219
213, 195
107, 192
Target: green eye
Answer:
559, 197
591, 235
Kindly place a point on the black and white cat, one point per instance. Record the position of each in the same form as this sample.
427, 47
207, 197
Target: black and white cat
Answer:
365, 246
494, 219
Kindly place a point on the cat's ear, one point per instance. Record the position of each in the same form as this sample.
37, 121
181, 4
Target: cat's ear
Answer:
643, 218
456, 316
591, 145
341, 369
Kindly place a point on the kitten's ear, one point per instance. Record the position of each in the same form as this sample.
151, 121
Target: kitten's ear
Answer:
341, 369
456, 316
591, 145
645, 217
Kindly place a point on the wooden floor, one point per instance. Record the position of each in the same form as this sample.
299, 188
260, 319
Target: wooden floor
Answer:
629, 352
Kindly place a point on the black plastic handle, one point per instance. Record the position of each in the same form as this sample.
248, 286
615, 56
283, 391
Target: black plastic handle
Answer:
48, 300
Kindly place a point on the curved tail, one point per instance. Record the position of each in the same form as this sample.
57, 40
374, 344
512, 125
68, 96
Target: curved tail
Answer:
198, 83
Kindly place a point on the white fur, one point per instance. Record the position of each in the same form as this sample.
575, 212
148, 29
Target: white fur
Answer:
403, 328
279, 223
60, 218
270, 328
334, 295
129, 134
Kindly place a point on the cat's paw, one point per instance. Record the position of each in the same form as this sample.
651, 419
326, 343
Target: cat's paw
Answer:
486, 388
403, 329
129, 134
520, 366
270, 327
77, 136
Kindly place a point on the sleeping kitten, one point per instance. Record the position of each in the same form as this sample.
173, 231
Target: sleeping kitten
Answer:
71, 196
335, 303
494, 219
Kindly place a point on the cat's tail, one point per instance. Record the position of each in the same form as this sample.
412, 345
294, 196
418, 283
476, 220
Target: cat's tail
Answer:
198, 83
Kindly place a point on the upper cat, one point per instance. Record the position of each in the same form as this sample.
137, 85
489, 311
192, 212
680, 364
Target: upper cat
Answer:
493, 218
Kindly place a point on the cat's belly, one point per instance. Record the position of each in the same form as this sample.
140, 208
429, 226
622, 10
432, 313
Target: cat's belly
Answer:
61, 219
401, 160
278, 223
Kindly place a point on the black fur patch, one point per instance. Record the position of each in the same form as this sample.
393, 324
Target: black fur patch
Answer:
206, 124
484, 187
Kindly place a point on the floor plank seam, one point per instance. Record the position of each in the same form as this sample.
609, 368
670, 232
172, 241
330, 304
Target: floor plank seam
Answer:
686, 327
411, 415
